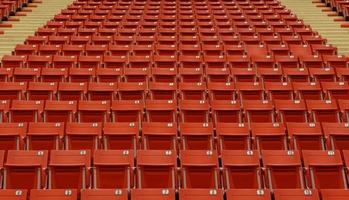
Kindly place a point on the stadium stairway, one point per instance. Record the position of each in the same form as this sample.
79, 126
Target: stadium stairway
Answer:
321, 22
27, 25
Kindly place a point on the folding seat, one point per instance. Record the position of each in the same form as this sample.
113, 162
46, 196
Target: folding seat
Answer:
71, 91
56, 40
234, 50
327, 74
62, 194
296, 194
92, 24
296, 75
313, 39
104, 194
72, 50
89, 61
82, 135
256, 50
120, 136
248, 194
342, 74
45, 136
153, 193
118, 62
221, 91
192, 91
225, 111
80, 75
249, 90
270, 74
302, 50
36, 40
26, 111
145, 40
194, 111
101, 39
324, 49
232, 136
307, 90
163, 39
93, 111
113, 169
291, 110
189, 50
190, 61
323, 111
80, 40
35, 61
328, 194
165, 61
63, 61
199, 169
41, 91
159, 163
336, 90
305, 136
278, 49
274, 39
219, 75
165, 50
231, 39
279, 91
6, 74
324, 169
283, 169
262, 61
336, 135
311, 61
13, 194
241, 169
191, 75
101, 91
215, 61
72, 165
127, 111
258, 111
212, 50
141, 54
25, 169
211, 194
59, 111
336, 61
119, 50
12, 135
292, 40
72, 24
159, 135
10, 61
269, 136
132, 90
123, 40
26, 74
287, 61
96, 50
11, 91
164, 75
25, 49
196, 136
161, 111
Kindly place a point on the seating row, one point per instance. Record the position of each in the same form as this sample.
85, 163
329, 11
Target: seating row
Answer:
8, 7
124, 169
170, 50
157, 135
342, 7
169, 194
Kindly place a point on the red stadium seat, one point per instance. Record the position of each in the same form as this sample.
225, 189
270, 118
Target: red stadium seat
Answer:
156, 163
323, 111
41, 91
82, 135
269, 136
71, 91
161, 111
196, 136
28, 164
159, 136
162, 91
283, 169
127, 111
279, 91
193, 111
209, 194
52, 194
250, 90
13, 194
120, 136
291, 110
257, 111
337, 135
221, 90
44, 136
305, 136
60, 111
324, 169
113, 169
72, 165
225, 111
296, 194
11, 135
248, 194
241, 169
199, 169
112, 194
308, 90
156, 194
26, 111
93, 111
328, 194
